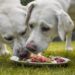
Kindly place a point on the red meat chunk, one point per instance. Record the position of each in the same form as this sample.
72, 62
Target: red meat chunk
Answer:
39, 59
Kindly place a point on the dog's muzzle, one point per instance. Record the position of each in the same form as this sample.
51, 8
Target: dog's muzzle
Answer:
31, 46
23, 54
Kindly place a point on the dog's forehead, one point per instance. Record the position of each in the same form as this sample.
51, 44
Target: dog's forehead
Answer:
41, 15
11, 24
16, 16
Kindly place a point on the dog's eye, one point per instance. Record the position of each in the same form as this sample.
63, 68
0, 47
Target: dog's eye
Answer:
23, 33
31, 26
9, 38
45, 29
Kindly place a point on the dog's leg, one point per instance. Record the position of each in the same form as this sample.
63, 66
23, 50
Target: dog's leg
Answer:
3, 50
68, 42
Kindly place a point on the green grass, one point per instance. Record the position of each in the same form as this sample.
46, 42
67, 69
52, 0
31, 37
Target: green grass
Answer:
57, 48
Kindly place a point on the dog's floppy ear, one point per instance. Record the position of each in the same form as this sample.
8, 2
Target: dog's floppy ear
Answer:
64, 21
30, 9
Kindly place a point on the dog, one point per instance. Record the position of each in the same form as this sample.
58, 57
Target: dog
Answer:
13, 30
48, 19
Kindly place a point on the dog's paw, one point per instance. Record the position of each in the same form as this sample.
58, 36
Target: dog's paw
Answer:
69, 49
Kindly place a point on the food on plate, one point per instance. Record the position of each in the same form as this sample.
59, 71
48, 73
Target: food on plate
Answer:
43, 59
40, 59
59, 59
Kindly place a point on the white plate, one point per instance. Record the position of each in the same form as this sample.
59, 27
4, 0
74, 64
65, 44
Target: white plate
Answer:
44, 63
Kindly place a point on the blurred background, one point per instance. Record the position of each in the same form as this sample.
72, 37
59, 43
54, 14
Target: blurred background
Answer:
71, 12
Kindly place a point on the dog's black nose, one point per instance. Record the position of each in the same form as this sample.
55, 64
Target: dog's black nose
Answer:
31, 46
25, 54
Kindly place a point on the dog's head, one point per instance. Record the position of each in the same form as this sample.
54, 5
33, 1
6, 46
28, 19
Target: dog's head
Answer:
45, 24
13, 30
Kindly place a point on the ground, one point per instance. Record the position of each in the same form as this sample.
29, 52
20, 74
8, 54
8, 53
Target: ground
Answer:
7, 67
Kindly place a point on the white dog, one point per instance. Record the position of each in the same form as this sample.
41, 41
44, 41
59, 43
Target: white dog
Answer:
48, 19
12, 26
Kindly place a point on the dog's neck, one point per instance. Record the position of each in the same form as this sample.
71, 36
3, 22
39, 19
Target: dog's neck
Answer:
9, 2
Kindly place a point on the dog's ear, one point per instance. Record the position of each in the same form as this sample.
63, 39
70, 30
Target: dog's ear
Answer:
64, 21
30, 8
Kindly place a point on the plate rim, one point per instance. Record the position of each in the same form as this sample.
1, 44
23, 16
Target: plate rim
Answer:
44, 63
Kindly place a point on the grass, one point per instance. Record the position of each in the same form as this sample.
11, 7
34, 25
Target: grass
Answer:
57, 48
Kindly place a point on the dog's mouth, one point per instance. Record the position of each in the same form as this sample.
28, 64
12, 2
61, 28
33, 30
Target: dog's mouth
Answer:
25, 55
